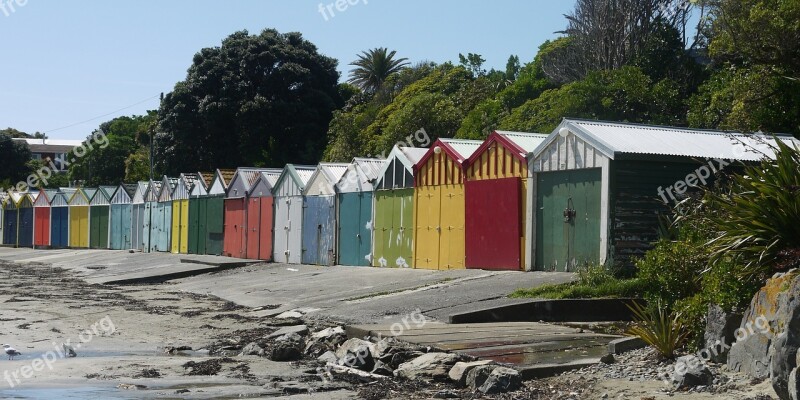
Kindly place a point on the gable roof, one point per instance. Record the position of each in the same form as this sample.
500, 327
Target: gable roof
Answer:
60, 199
139, 194
219, 185
167, 187
615, 138
361, 175
103, 196
45, 197
299, 174
459, 150
153, 190
520, 144
122, 195
245, 178
80, 198
328, 174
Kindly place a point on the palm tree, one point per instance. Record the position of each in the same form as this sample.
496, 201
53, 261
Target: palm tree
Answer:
373, 67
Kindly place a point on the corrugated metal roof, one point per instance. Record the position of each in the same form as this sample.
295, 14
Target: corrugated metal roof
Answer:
370, 167
333, 171
465, 148
304, 172
138, 196
272, 176
614, 138
526, 141
227, 175
414, 154
122, 195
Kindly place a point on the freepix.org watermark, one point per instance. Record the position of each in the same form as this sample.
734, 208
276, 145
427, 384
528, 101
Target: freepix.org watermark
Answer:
102, 327
40, 177
8, 7
694, 179
340, 6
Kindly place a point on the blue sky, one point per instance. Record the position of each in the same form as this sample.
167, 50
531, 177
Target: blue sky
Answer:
68, 61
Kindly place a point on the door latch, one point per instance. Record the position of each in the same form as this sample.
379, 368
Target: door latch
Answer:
569, 212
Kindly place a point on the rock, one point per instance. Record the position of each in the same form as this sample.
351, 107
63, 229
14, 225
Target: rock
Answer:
289, 314
287, 348
460, 370
720, 332
771, 312
428, 366
298, 329
783, 359
252, 349
395, 358
794, 384
690, 371
356, 353
328, 357
607, 359
477, 376
328, 333
446, 394
381, 368
501, 380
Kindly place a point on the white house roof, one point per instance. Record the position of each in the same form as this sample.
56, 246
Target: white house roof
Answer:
614, 138
526, 141
465, 148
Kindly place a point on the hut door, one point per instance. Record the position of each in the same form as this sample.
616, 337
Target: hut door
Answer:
568, 219
494, 225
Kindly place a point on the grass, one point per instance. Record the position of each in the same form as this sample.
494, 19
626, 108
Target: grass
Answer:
592, 282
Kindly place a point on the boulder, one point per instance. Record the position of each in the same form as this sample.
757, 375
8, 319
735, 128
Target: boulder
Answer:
427, 366
287, 348
720, 332
328, 357
381, 368
327, 339
501, 380
794, 385
252, 349
289, 314
298, 329
460, 370
769, 334
356, 353
691, 371
477, 376
608, 359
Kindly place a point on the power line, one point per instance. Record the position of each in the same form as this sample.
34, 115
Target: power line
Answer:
104, 115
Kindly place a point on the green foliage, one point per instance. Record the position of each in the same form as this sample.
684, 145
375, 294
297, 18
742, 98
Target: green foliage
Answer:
137, 166
626, 94
263, 99
15, 156
757, 218
373, 67
472, 63
658, 327
594, 281
673, 269
746, 99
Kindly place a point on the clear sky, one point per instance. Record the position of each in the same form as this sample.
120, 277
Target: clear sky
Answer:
64, 62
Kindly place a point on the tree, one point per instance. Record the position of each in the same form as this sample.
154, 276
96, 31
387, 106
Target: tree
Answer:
473, 63
608, 34
137, 166
374, 67
260, 100
106, 165
15, 155
626, 94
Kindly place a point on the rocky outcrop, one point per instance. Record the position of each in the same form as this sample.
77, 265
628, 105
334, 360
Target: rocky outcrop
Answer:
720, 332
427, 366
769, 334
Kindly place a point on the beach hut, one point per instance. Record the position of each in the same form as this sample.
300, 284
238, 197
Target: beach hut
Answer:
151, 215
180, 213
496, 192
121, 218
138, 216
319, 214
260, 216
439, 217
42, 217
393, 236
11, 219
26, 221
601, 186
79, 218
288, 202
354, 202
59, 219
161, 220
99, 214
236, 205
215, 211
197, 216
3, 199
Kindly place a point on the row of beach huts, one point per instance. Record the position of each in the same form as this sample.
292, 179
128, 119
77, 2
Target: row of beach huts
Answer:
589, 192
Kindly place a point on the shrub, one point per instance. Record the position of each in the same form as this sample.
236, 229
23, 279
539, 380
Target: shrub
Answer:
672, 270
658, 327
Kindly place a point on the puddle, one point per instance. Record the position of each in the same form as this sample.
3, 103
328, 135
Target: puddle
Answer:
77, 393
